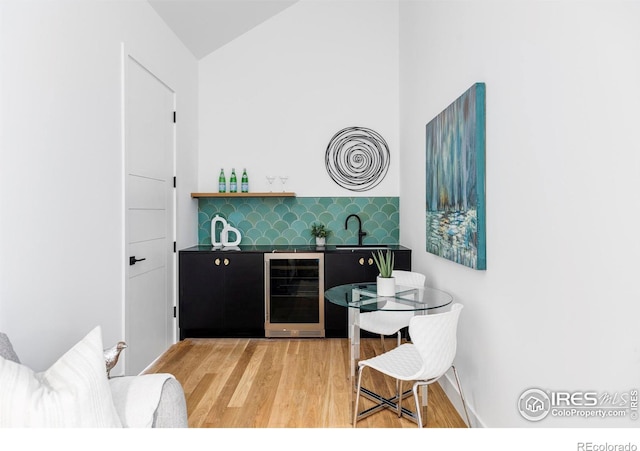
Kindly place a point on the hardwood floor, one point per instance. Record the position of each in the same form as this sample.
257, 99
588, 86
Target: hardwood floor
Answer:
283, 383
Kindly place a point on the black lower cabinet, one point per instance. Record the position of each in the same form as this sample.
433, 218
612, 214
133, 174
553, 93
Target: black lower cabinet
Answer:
221, 294
341, 268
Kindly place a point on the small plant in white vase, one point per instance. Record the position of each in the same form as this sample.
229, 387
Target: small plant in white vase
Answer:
320, 232
386, 283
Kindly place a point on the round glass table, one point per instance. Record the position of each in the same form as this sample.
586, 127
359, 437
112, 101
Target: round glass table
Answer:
362, 298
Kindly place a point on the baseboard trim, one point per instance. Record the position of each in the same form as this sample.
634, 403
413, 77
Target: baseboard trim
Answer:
450, 388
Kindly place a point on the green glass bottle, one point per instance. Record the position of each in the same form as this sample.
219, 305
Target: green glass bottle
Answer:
233, 182
222, 182
245, 181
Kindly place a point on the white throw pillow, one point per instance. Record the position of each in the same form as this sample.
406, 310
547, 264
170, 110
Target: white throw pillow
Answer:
74, 392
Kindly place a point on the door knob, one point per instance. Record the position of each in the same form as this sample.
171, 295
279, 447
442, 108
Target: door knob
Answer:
217, 262
226, 261
370, 261
133, 260
361, 261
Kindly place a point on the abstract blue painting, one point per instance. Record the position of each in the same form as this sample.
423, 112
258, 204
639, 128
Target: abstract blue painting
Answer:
455, 181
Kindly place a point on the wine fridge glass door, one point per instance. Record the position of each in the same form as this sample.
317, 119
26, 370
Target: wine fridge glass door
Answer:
294, 295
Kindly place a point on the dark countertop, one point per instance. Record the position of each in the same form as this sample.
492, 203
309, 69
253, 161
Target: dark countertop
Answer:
262, 249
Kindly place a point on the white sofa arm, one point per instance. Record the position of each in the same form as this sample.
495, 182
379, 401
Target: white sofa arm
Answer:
150, 400
172, 408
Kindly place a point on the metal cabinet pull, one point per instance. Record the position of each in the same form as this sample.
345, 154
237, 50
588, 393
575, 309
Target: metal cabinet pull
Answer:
217, 262
361, 261
370, 261
226, 261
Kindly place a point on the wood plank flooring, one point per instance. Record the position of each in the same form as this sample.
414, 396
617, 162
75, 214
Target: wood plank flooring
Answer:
284, 383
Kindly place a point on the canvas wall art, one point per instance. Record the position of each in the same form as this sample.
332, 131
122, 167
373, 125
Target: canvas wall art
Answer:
455, 181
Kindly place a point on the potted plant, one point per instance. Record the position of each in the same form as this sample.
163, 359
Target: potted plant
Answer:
320, 232
386, 283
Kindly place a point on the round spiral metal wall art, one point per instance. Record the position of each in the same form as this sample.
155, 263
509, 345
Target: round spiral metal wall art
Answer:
357, 158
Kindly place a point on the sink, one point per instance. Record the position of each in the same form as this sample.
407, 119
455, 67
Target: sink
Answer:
355, 247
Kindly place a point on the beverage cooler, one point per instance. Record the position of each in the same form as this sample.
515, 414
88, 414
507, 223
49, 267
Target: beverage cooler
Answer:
294, 294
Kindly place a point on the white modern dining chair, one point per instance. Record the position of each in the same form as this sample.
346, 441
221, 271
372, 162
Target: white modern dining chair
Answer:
384, 322
425, 360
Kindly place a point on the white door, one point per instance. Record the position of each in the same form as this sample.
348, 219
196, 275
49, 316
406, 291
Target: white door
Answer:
149, 229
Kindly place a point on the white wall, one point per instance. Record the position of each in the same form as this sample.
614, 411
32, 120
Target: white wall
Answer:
272, 99
558, 306
61, 251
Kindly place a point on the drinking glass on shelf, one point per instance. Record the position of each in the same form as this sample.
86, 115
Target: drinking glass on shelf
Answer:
283, 179
270, 179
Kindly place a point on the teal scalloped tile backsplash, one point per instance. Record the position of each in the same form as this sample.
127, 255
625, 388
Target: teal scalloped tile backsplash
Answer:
287, 220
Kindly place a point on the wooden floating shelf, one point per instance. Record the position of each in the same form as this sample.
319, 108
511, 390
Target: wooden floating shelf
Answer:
271, 194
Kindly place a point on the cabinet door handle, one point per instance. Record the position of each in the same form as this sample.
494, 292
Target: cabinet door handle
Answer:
361, 261
226, 261
370, 261
217, 262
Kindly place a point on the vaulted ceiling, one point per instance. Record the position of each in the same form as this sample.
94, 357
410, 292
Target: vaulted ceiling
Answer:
206, 25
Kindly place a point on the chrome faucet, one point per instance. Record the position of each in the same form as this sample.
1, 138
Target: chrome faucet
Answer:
360, 232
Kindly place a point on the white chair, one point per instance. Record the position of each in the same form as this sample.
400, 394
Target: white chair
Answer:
392, 322
425, 360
